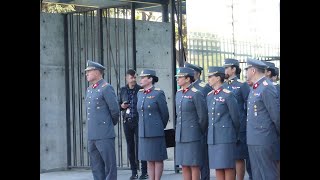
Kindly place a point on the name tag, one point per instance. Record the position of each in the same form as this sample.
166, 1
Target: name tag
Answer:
150, 97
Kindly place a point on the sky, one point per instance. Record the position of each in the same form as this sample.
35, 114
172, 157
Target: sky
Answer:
255, 20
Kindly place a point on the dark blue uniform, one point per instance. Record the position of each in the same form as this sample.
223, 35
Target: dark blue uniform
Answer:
263, 127
223, 128
191, 124
204, 88
153, 119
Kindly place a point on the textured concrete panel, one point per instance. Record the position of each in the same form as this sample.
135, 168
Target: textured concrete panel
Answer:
53, 139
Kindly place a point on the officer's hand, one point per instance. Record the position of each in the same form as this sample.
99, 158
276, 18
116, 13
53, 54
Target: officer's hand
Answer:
124, 106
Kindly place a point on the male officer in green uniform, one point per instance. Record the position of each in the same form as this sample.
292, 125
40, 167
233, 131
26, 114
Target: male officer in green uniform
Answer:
102, 115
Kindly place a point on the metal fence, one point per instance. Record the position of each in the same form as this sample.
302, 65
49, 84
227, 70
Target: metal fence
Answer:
211, 50
88, 35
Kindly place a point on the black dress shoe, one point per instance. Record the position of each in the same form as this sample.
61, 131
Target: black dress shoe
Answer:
144, 176
134, 176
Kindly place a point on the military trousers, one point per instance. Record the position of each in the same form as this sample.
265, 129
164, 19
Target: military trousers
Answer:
103, 159
263, 164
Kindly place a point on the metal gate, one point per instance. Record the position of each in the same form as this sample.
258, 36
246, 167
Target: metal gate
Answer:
100, 35
206, 50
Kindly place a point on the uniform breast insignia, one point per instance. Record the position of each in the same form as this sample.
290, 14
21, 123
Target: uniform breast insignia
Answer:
141, 90
103, 85
226, 91
210, 92
150, 97
256, 94
188, 97
265, 83
235, 87
157, 89
220, 99
194, 89
98, 90
202, 84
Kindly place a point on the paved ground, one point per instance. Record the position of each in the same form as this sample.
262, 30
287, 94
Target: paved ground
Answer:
85, 174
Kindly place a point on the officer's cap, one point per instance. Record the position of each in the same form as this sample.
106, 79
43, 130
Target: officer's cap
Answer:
194, 67
148, 72
231, 62
256, 63
185, 71
94, 65
212, 70
270, 65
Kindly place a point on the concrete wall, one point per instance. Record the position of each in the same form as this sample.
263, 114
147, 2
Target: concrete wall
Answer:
153, 44
53, 139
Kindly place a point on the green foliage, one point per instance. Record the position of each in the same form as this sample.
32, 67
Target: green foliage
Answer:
57, 8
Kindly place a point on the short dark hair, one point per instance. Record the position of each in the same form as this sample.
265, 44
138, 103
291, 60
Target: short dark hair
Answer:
131, 72
221, 75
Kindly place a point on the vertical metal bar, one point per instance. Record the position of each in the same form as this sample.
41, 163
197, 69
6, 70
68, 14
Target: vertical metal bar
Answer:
100, 35
92, 36
134, 50
205, 67
67, 84
202, 55
174, 65
165, 13
79, 88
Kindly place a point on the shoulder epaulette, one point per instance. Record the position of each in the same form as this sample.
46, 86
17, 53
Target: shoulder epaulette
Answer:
157, 89
194, 89
241, 81
210, 92
265, 83
226, 91
103, 85
141, 90
202, 84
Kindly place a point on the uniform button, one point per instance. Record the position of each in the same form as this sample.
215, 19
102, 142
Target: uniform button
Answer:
179, 106
247, 119
143, 97
212, 113
98, 107
179, 123
97, 98
89, 102
88, 107
212, 119
218, 114
212, 108
260, 126
104, 122
148, 106
212, 124
249, 102
248, 108
89, 96
97, 102
88, 118
222, 126
149, 114
214, 103
142, 115
88, 113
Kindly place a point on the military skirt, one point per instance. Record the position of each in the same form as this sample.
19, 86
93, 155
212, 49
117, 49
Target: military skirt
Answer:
152, 149
189, 153
241, 148
221, 156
